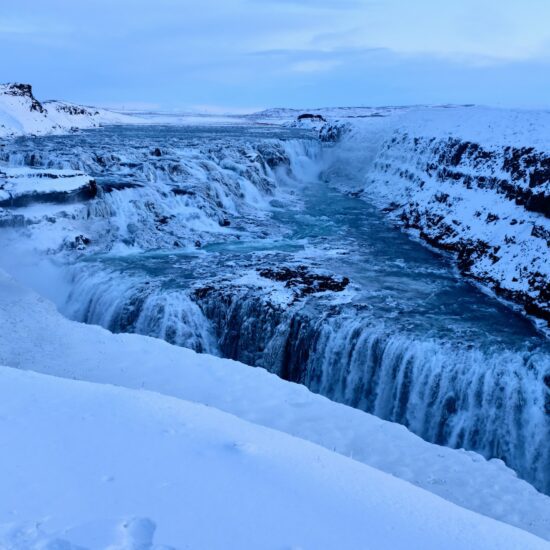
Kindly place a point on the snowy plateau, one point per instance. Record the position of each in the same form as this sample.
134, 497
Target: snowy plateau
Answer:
385, 270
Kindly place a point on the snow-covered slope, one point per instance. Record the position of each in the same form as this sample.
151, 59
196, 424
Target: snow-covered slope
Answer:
21, 113
469, 180
38, 338
300, 116
87, 460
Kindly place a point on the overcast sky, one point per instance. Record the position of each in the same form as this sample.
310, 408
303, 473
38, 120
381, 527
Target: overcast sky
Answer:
247, 54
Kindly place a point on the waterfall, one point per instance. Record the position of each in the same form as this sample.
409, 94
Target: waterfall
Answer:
128, 304
493, 400
490, 397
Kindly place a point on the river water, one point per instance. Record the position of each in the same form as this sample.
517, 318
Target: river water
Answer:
407, 339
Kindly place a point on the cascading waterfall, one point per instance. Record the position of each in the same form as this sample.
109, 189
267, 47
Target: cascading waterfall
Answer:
490, 400
485, 396
127, 304
493, 401
181, 196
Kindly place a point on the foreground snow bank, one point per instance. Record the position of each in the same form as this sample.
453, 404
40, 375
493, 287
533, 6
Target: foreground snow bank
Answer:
38, 338
21, 113
85, 459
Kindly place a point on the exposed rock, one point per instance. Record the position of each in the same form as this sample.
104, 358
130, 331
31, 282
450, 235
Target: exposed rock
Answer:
273, 155
305, 281
25, 90
333, 132
309, 116
81, 242
75, 110
429, 177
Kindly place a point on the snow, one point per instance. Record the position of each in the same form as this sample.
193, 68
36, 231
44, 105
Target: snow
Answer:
488, 125
70, 115
289, 116
188, 119
19, 181
40, 339
408, 163
106, 458
491, 127
22, 114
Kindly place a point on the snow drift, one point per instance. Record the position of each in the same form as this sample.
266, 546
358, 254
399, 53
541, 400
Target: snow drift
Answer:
157, 470
21, 114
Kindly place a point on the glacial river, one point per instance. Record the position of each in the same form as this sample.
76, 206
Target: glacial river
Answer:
402, 335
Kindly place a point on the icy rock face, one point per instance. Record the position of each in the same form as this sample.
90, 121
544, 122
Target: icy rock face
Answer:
73, 110
473, 182
24, 91
303, 280
490, 207
334, 132
21, 187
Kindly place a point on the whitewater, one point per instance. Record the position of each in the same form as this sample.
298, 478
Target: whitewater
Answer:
250, 243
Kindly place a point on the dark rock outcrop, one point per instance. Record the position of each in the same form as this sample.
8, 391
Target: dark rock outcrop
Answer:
423, 182
313, 118
303, 280
25, 90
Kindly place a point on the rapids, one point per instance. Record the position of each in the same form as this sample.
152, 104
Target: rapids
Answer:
407, 339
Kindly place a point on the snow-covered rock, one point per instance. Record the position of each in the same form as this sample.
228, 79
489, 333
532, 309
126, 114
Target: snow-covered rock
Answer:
472, 181
21, 113
20, 186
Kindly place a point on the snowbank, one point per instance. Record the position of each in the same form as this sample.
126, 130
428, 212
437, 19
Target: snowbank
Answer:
18, 182
21, 113
107, 459
38, 338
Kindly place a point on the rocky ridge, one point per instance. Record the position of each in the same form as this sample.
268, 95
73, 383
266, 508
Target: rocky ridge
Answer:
442, 175
21, 113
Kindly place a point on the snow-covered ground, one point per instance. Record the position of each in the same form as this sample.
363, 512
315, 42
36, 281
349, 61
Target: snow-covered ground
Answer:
21, 114
190, 118
97, 466
40, 339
